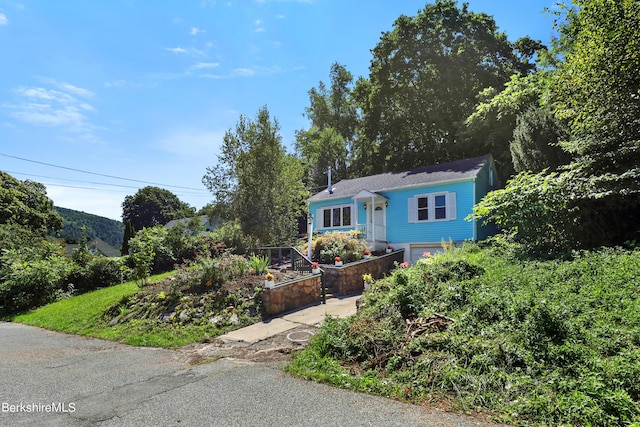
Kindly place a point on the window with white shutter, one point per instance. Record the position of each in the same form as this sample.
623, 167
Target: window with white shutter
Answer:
432, 207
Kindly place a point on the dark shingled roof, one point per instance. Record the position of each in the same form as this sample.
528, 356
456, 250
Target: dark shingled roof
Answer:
453, 171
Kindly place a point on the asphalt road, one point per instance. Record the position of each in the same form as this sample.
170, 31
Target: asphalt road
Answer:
54, 379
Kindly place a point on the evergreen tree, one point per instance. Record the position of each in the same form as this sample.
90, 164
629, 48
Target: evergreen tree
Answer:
129, 232
536, 141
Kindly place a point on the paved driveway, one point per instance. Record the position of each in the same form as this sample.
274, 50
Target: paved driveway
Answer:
54, 379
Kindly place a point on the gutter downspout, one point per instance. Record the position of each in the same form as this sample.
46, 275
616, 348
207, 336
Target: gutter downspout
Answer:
475, 222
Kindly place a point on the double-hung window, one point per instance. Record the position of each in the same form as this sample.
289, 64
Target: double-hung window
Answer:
432, 207
336, 216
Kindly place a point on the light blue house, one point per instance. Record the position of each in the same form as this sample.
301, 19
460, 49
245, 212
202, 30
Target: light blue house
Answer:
411, 210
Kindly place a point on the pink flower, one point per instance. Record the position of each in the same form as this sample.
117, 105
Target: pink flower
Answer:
337, 259
367, 252
404, 264
314, 265
426, 254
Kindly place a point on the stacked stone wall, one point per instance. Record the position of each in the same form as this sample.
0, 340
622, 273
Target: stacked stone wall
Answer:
347, 279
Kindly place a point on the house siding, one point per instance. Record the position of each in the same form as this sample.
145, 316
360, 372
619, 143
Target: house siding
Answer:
399, 230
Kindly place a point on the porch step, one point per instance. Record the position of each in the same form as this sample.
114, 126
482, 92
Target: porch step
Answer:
329, 292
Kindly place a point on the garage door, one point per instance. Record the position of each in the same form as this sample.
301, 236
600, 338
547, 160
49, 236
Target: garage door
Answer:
417, 251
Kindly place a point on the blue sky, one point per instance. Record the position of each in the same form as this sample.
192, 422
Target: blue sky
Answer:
145, 90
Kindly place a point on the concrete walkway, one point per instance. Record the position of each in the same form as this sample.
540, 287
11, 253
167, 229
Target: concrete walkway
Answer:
310, 316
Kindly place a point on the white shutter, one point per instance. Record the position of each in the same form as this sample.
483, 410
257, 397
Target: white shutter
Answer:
413, 210
451, 206
319, 219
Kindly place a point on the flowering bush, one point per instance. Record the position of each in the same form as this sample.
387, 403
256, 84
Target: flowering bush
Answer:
346, 245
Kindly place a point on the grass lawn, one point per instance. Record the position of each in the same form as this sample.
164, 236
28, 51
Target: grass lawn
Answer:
84, 315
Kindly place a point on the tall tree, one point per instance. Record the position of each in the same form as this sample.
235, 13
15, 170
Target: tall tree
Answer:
152, 206
330, 139
424, 80
598, 90
595, 199
26, 204
258, 181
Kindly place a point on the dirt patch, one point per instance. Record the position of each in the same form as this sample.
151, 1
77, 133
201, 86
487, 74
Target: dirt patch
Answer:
278, 349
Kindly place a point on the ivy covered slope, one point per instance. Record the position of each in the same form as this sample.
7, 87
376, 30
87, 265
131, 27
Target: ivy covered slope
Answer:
528, 342
109, 230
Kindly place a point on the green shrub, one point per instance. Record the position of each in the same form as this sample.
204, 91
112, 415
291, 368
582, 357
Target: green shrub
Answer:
232, 236
210, 272
100, 272
258, 264
27, 282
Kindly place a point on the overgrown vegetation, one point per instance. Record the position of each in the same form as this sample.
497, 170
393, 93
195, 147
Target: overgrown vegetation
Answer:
553, 342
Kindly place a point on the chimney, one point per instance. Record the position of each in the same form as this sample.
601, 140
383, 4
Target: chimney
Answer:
329, 187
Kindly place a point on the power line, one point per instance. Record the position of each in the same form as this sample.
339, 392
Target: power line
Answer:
85, 182
111, 191
99, 174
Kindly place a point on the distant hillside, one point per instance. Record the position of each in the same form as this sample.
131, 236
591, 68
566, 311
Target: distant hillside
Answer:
109, 230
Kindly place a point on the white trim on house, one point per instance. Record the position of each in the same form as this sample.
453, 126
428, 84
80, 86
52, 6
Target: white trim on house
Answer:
414, 207
320, 216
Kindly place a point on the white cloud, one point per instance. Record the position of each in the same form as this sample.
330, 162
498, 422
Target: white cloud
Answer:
176, 49
195, 31
245, 72
116, 83
201, 65
180, 50
75, 90
61, 107
3, 19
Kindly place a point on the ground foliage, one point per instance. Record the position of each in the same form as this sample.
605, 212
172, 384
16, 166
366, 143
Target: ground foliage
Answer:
553, 342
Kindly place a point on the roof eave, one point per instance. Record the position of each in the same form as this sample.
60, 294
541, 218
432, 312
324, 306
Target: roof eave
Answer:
404, 187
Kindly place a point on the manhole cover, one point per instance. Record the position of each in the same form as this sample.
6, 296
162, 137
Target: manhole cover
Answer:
299, 336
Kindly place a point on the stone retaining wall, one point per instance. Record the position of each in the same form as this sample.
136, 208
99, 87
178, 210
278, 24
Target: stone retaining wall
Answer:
347, 280
291, 295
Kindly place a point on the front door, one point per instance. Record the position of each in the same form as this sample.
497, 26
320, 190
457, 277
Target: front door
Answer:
376, 229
